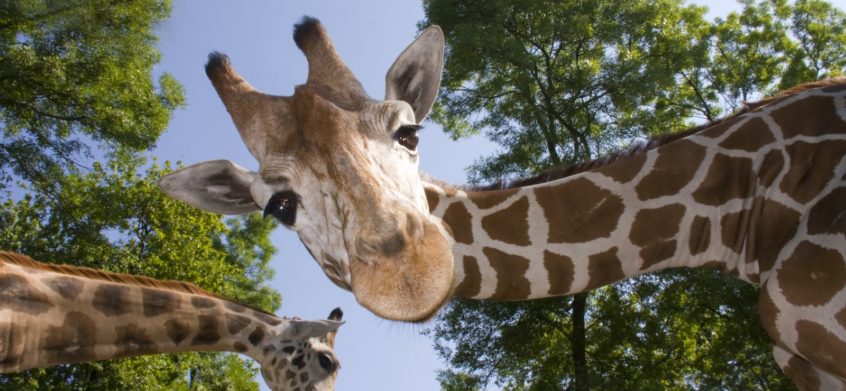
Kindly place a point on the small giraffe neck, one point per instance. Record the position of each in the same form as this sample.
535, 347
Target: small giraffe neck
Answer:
53, 314
728, 195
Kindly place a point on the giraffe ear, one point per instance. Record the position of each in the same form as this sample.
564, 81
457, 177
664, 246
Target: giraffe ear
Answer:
416, 74
335, 315
217, 186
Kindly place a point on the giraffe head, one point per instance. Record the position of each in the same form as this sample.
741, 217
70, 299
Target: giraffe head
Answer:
301, 358
340, 169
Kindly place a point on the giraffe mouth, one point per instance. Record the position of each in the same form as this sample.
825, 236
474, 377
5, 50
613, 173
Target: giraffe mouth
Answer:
409, 286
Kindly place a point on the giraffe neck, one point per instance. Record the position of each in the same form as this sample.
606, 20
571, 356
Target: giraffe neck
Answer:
57, 315
564, 237
729, 195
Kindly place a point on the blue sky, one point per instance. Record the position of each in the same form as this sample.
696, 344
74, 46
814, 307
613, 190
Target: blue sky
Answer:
375, 354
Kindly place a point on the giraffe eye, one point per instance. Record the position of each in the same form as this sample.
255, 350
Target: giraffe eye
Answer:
283, 207
406, 136
326, 362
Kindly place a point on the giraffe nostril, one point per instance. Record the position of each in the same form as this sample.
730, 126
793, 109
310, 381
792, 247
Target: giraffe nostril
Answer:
393, 245
388, 247
365, 248
413, 227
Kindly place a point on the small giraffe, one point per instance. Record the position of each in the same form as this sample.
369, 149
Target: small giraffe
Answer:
58, 314
761, 194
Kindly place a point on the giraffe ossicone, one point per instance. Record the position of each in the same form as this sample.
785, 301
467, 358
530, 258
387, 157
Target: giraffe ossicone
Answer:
760, 194
59, 314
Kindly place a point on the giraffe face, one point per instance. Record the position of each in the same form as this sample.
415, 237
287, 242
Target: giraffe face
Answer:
351, 190
301, 357
310, 365
340, 169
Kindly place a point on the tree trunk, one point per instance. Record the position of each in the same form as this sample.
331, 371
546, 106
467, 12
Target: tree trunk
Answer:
578, 338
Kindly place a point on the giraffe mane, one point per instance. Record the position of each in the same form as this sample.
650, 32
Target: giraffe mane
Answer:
129, 279
634, 149
828, 82
641, 147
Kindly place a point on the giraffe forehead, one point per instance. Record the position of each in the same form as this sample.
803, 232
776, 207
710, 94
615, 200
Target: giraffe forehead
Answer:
327, 156
339, 149
309, 127
320, 126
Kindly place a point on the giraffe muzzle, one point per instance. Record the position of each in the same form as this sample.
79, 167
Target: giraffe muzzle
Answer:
406, 281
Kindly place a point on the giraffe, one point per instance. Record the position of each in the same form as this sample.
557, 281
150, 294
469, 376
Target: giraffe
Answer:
60, 314
759, 194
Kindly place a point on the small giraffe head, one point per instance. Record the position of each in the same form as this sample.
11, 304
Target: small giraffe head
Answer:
302, 358
340, 169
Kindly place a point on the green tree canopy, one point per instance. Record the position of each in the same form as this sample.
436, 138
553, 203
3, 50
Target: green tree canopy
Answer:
555, 82
75, 73
558, 82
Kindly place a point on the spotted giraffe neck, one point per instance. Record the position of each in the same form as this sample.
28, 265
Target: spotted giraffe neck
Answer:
58, 314
728, 195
